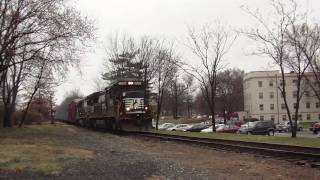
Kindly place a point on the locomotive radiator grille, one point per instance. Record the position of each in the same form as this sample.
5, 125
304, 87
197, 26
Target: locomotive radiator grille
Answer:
134, 103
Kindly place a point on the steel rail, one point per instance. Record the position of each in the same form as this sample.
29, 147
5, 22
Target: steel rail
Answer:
289, 152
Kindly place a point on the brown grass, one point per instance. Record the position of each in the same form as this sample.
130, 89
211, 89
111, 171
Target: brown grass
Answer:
25, 149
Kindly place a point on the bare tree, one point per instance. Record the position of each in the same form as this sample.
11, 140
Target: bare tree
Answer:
147, 48
210, 45
315, 81
311, 50
33, 31
189, 83
230, 92
292, 45
165, 71
40, 81
177, 90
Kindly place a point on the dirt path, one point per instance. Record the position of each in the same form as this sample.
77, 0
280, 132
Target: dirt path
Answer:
117, 157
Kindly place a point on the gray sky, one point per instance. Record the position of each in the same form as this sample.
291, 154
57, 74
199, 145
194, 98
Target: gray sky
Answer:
169, 19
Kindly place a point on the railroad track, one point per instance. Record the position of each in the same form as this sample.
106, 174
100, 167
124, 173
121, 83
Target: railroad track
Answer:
299, 155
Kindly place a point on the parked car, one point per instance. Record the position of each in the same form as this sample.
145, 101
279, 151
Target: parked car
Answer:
285, 127
197, 127
250, 124
251, 120
166, 126
209, 129
179, 127
259, 128
315, 128
282, 127
228, 129
220, 127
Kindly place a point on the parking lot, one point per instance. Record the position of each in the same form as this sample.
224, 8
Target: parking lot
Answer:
205, 127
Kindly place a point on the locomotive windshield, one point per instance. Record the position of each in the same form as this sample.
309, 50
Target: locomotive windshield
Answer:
133, 94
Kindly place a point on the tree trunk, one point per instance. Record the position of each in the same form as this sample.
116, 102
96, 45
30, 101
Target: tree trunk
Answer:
159, 102
213, 110
224, 116
188, 109
7, 118
51, 109
158, 115
213, 121
175, 108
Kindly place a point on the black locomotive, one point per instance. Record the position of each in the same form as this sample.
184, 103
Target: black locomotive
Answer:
122, 106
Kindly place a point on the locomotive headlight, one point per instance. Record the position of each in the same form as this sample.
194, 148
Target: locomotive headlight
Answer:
146, 108
127, 109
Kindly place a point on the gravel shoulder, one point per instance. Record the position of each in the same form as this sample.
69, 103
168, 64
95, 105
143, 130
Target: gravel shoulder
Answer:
122, 157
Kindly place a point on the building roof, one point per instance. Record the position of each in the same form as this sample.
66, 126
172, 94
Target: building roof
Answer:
270, 74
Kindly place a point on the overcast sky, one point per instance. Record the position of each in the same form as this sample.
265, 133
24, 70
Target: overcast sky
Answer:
169, 19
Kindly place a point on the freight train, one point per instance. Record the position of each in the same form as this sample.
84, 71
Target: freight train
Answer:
122, 106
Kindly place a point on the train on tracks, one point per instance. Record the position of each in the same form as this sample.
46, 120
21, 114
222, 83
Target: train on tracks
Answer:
122, 106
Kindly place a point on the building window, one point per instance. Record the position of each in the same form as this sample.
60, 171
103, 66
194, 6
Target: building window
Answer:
260, 83
284, 117
261, 107
308, 105
260, 95
318, 116
261, 118
307, 93
272, 118
300, 117
295, 105
271, 83
282, 94
294, 94
283, 106
271, 106
271, 95
308, 117
318, 105
282, 83
295, 81
293, 117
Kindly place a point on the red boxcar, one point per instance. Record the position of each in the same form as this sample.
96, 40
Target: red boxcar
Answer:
72, 111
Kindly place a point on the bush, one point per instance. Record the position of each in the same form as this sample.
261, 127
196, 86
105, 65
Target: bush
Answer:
38, 112
33, 116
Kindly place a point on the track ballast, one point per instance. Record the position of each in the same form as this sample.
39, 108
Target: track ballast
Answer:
299, 155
